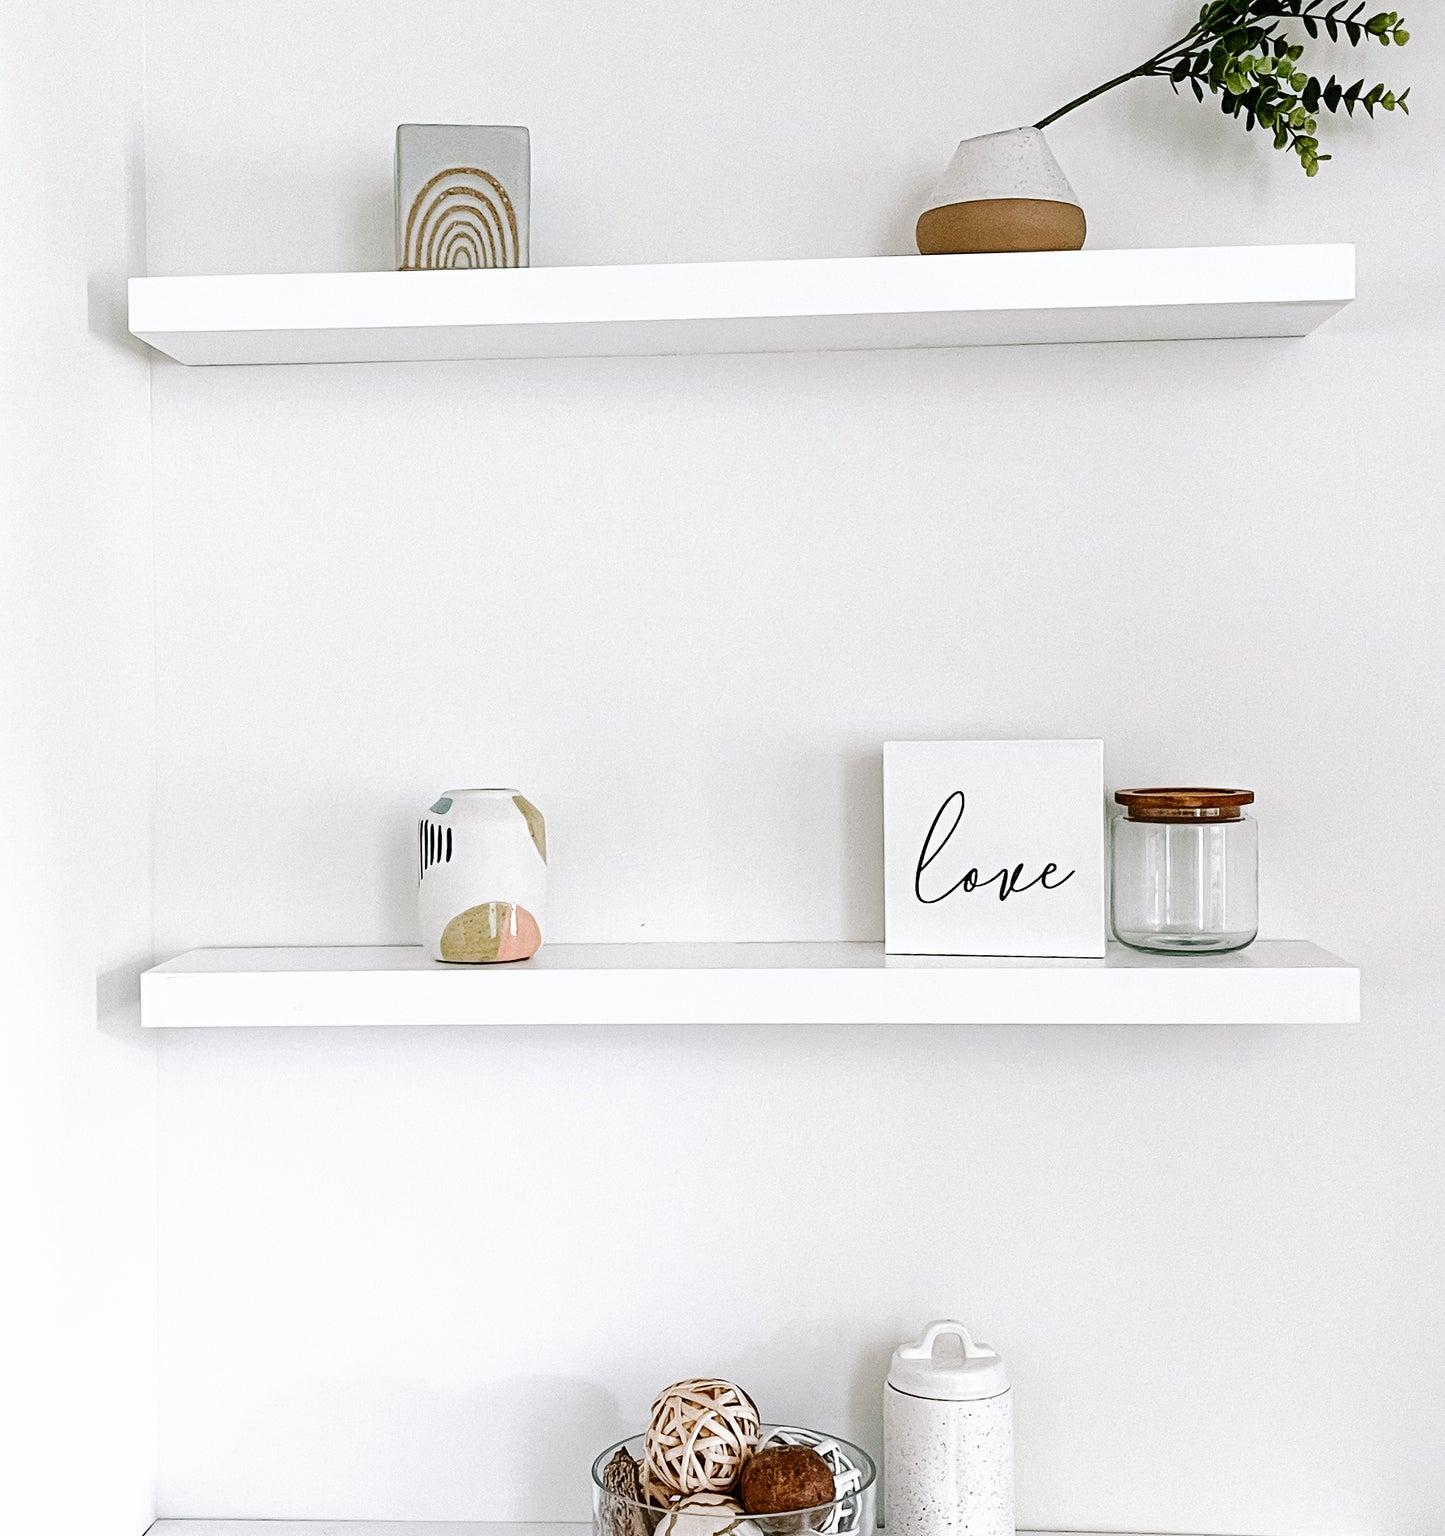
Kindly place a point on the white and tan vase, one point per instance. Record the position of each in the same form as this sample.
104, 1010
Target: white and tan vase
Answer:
1002, 192
482, 861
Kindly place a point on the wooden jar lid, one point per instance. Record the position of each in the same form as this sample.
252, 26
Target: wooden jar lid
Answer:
1184, 804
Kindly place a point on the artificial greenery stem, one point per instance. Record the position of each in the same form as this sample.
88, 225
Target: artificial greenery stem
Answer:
1138, 73
1238, 52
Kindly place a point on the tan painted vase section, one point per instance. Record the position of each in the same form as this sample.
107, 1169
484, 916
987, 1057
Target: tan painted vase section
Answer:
1001, 224
1001, 192
490, 933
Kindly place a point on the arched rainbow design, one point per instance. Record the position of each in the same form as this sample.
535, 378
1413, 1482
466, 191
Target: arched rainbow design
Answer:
462, 218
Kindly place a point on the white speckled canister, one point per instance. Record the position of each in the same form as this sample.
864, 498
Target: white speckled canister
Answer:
948, 1443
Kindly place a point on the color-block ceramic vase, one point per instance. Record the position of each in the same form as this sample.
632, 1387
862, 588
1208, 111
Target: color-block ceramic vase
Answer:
482, 856
1002, 192
463, 196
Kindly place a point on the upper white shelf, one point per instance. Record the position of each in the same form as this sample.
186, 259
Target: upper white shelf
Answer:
1281, 982
844, 304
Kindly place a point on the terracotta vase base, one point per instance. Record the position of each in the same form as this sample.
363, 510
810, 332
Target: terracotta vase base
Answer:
1001, 224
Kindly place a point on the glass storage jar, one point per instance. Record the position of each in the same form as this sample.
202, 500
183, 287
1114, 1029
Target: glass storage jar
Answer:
1185, 870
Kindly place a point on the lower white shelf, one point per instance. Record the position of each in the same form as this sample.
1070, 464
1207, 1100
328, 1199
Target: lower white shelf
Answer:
415, 1528
1279, 982
375, 1528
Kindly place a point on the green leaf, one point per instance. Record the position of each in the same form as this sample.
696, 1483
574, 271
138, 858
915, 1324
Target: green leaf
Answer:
1198, 90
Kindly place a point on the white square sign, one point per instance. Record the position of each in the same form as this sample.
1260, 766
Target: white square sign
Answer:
993, 847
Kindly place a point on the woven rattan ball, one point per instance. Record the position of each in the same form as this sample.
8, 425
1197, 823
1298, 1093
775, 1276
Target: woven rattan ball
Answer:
700, 1435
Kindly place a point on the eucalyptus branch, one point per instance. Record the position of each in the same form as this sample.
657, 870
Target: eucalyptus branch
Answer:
1108, 85
1148, 67
1239, 52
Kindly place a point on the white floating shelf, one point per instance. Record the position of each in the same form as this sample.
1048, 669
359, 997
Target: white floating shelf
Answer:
406, 1528
844, 304
1286, 982
378, 1528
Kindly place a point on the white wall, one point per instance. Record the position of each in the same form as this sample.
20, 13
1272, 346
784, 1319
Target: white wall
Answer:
77, 1085
681, 602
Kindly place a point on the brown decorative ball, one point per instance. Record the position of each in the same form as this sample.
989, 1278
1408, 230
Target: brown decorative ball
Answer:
780, 1478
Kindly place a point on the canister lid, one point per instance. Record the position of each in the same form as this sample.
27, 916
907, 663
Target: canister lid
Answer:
1184, 804
946, 1364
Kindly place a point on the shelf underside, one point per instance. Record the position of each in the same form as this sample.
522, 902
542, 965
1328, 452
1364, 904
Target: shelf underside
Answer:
1278, 982
840, 304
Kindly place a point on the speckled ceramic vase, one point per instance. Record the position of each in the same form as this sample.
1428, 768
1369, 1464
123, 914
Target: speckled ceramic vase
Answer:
947, 1438
482, 857
1002, 192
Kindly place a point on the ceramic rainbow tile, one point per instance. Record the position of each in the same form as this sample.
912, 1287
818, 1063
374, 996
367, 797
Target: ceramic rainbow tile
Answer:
463, 196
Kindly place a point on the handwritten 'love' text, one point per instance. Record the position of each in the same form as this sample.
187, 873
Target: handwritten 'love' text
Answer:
1010, 881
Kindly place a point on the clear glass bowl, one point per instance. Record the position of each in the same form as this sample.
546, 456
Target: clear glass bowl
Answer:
852, 1513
